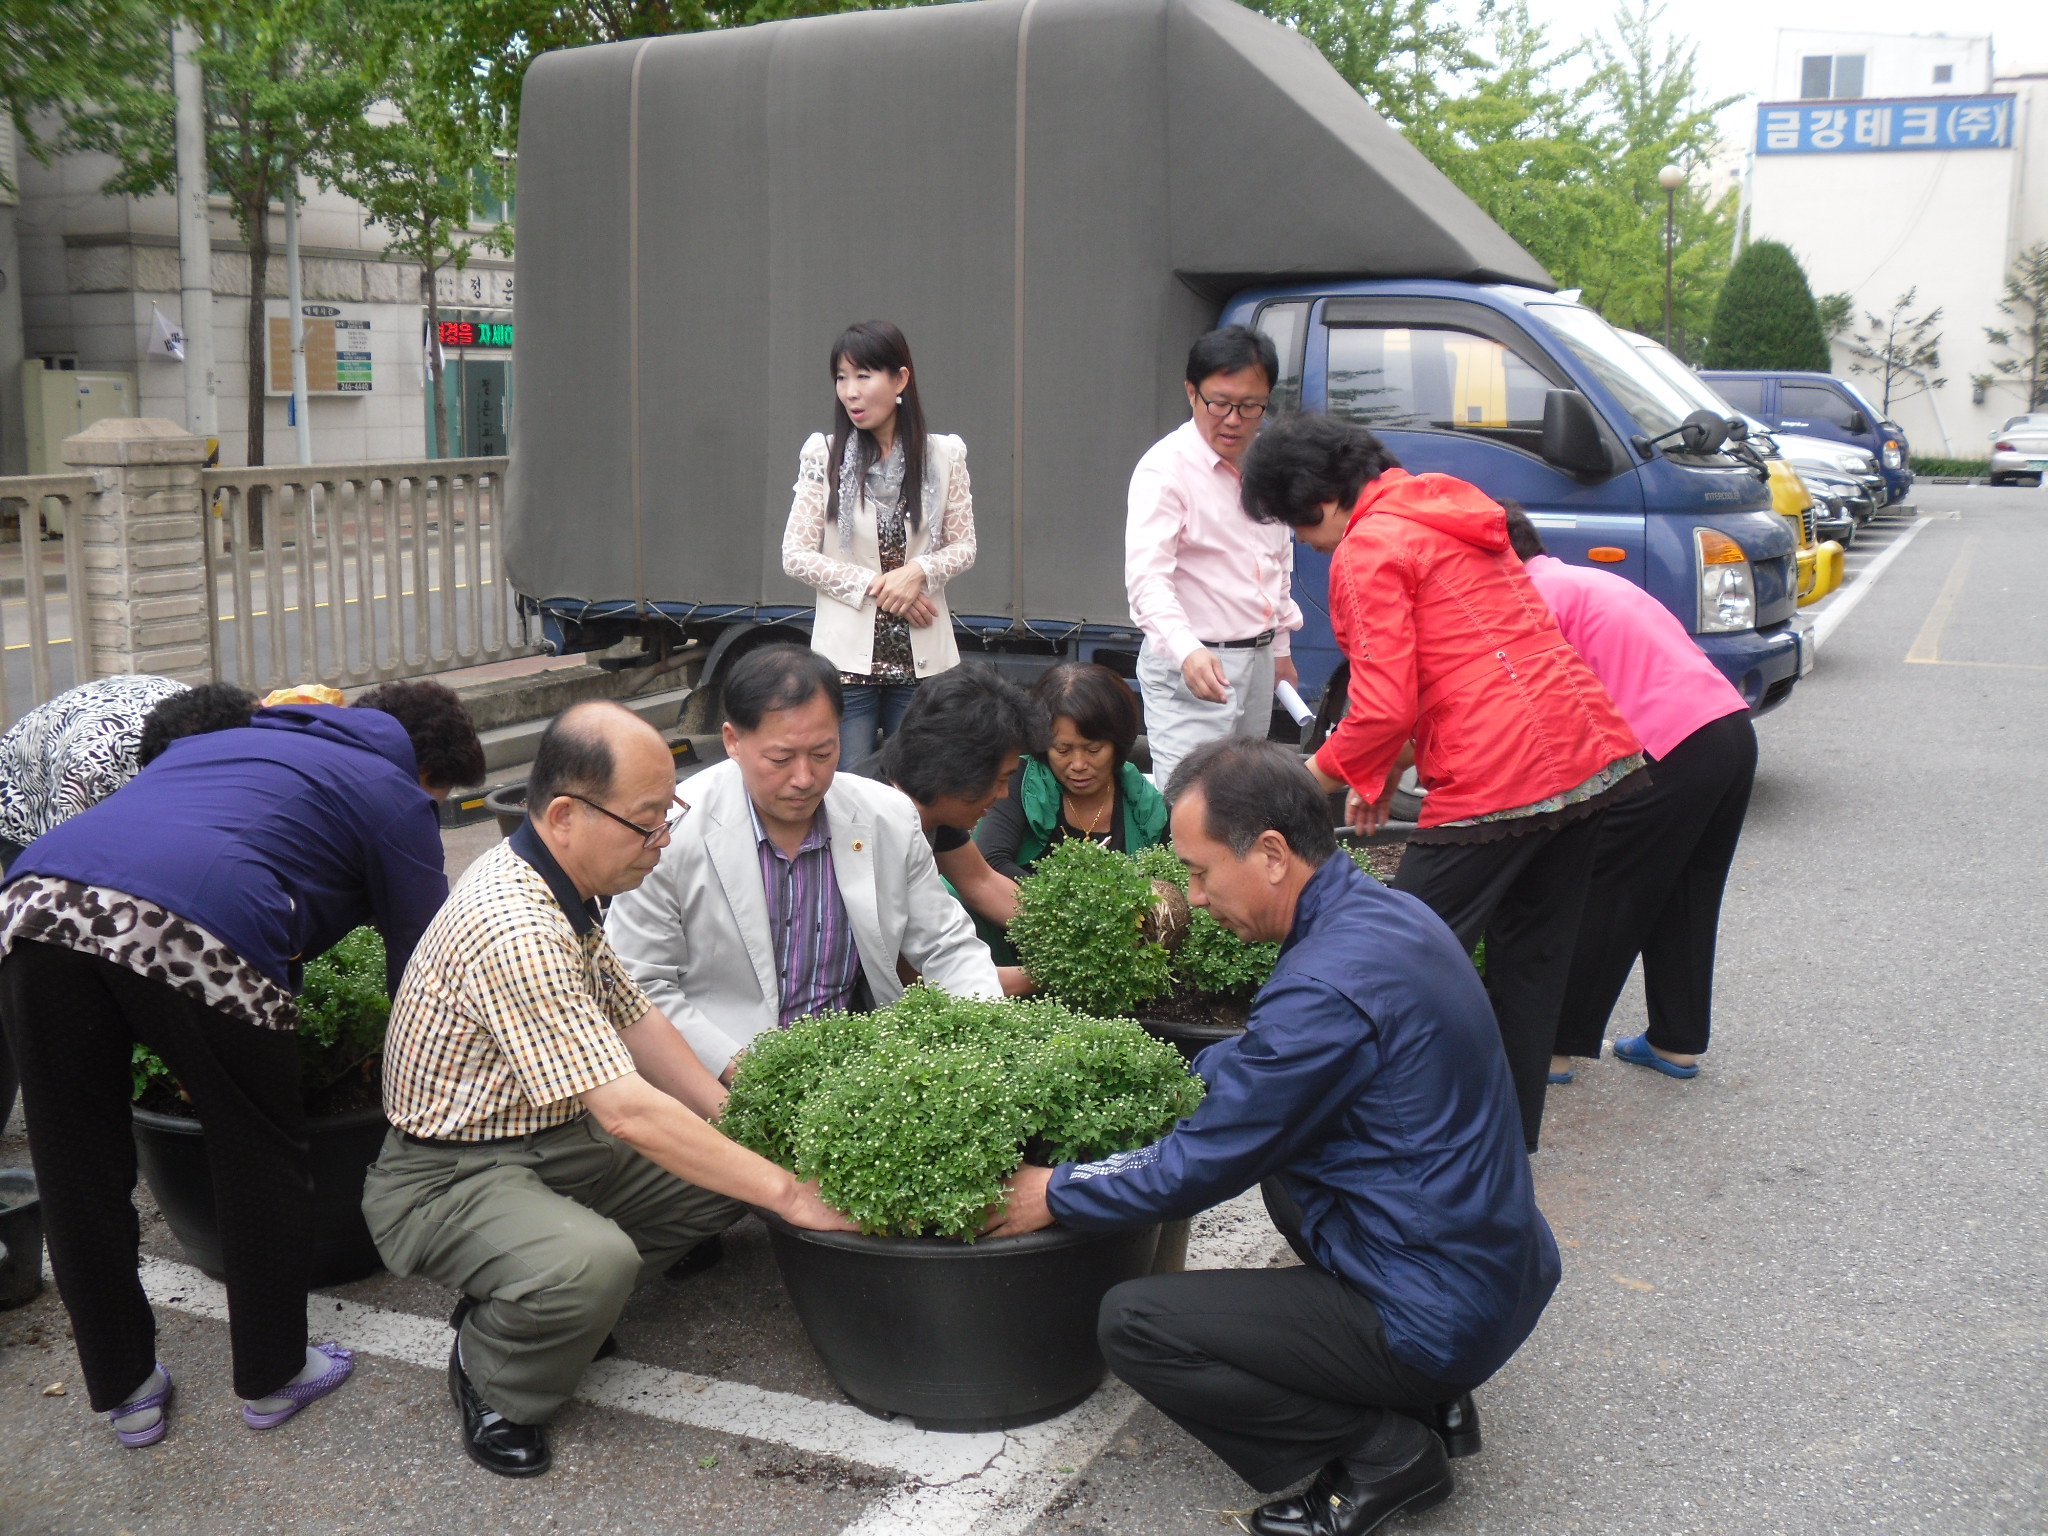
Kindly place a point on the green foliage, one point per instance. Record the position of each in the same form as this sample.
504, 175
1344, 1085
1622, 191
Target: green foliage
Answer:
284, 81
911, 1118
1078, 929
65, 56
147, 1071
1211, 959
1967, 468
1837, 314
2025, 341
1898, 348
428, 176
343, 1010
1560, 144
1767, 317
1397, 54
343, 1013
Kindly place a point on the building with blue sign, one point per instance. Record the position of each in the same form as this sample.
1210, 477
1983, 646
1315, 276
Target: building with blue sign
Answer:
1891, 164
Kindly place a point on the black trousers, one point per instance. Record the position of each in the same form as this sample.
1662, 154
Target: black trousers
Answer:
10, 850
1658, 876
1275, 1370
73, 1021
1523, 895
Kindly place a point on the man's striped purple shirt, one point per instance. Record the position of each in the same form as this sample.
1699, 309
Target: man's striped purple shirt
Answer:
815, 956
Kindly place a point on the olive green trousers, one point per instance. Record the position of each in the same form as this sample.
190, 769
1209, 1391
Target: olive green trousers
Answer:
548, 1234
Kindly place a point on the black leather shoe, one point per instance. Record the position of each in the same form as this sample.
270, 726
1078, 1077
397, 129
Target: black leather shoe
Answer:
1341, 1503
496, 1444
705, 1255
1457, 1425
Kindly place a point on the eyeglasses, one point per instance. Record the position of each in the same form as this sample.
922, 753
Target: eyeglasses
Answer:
649, 836
1247, 410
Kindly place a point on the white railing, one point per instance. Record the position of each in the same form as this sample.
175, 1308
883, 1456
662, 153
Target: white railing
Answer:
44, 505
348, 574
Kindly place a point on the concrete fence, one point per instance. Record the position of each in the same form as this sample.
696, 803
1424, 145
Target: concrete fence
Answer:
344, 574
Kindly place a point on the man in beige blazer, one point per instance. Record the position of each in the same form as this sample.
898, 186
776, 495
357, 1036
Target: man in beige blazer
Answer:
790, 889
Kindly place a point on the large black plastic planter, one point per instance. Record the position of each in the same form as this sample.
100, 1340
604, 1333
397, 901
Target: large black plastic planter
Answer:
172, 1152
959, 1336
21, 1238
1188, 1038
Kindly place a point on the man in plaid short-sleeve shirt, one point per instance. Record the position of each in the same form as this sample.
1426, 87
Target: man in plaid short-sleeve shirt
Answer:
550, 1141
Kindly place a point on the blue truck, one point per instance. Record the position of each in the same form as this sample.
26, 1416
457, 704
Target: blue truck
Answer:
1823, 406
1536, 399
1069, 192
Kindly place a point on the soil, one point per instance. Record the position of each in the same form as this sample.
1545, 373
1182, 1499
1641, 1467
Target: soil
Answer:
1385, 859
345, 1097
1182, 1006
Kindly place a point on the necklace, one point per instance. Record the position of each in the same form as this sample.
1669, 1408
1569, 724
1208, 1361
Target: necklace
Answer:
1100, 811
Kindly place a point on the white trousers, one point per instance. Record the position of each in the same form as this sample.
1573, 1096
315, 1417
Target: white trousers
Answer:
1176, 722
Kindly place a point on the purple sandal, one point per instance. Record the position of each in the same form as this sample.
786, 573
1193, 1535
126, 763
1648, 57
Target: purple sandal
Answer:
305, 1392
159, 1400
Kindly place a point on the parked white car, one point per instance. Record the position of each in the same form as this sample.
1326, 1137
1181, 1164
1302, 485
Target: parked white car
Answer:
1840, 460
2019, 450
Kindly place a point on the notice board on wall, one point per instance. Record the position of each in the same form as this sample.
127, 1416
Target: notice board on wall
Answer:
338, 360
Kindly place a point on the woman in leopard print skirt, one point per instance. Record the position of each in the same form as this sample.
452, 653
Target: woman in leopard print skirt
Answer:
174, 914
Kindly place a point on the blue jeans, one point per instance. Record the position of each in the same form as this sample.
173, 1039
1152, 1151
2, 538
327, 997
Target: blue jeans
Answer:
869, 705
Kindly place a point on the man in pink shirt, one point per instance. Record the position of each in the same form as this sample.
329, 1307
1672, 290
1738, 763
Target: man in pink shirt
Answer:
1209, 587
1663, 855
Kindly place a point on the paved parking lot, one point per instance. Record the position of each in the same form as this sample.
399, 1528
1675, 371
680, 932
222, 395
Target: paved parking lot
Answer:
1803, 1293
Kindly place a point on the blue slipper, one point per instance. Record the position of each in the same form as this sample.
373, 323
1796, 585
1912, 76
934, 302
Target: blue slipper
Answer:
1636, 1048
1561, 1077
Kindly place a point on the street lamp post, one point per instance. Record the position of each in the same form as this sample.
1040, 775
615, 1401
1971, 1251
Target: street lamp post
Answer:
1669, 179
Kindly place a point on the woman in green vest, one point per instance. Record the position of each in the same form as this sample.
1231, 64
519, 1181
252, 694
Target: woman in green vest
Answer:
1083, 786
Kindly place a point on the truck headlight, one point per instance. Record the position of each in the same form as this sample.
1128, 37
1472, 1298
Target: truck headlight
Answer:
1893, 459
1727, 586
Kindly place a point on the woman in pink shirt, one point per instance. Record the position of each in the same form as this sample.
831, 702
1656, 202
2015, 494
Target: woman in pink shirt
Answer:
1664, 855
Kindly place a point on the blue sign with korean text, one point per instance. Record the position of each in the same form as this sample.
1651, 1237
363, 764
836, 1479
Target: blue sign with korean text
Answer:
1881, 127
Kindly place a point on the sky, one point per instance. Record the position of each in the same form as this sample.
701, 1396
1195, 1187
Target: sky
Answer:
1736, 55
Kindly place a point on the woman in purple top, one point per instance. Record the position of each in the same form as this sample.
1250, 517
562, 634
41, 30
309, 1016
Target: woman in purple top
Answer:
175, 914
1664, 855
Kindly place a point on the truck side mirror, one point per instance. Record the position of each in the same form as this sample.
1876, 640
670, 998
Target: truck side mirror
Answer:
1571, 434
1702, 432
1857, 424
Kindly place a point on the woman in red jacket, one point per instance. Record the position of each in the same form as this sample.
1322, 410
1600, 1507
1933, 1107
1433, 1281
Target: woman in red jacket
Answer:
1452, 648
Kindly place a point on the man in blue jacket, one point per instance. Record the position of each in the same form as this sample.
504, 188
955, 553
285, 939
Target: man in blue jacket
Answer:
1370, 1081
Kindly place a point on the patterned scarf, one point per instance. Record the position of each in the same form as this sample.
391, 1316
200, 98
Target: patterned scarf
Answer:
884, 491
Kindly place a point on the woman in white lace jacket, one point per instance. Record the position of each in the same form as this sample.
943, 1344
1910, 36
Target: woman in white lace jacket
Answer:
877, 541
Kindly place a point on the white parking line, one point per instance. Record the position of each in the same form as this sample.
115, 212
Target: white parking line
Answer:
1841, 604
703, 1402
987, 1484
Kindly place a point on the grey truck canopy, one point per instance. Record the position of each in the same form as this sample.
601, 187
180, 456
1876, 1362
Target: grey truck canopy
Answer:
1051, 197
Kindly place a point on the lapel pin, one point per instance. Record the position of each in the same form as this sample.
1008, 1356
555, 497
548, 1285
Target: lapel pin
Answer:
858, 845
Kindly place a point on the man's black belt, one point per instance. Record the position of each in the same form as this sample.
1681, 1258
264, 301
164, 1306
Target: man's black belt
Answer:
1263, 638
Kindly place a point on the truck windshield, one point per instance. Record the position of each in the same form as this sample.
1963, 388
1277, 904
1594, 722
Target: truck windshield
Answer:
1696, 390
1624, 372
1862, 402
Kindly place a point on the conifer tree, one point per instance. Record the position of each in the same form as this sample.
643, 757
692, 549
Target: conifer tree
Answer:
1766, 317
